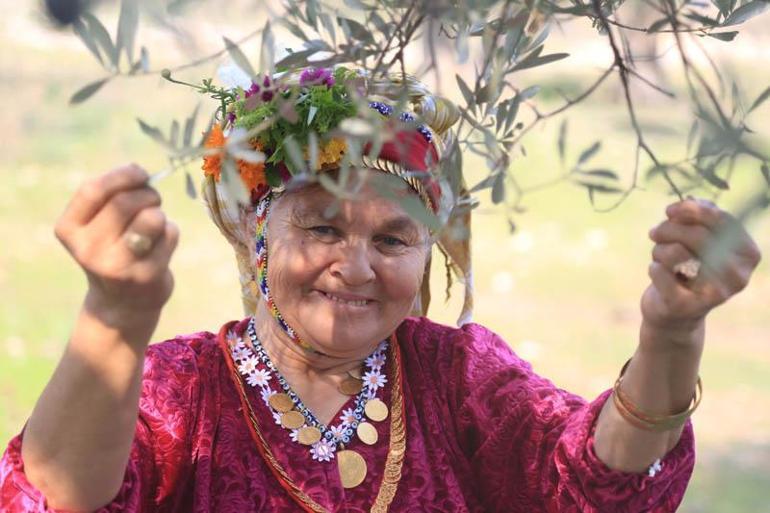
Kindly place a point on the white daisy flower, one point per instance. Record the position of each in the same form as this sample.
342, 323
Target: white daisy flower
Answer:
294, 435
241, 352
348, 416
266, 393
656, 467
276, 417
248, 365
374, 379
376, 361
337, 431
258, 378
323, 450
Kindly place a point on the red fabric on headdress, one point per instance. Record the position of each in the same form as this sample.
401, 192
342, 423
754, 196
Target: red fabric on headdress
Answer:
412, 150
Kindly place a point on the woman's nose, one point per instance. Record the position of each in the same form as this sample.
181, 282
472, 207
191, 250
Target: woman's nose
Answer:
353, 265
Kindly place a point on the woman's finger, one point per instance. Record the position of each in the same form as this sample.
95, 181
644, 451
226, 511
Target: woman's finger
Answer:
694, 237
698, 211
147, 227
155, 264
673, 293
118, 213
670, 254
89, 199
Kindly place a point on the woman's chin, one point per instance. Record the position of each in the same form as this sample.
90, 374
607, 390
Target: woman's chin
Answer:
341, 337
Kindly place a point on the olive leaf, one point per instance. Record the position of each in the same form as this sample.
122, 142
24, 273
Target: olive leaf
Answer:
86, 92
267, 50
588, 153
760, 99
87, 38
745, 12
239, 58
562, 141
190, 186
102, 37
128, 22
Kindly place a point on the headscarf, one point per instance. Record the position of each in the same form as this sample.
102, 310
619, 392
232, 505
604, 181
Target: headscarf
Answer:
414, 149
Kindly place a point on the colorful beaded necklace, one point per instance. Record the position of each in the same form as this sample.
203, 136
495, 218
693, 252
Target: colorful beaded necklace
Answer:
258, 370
262, 212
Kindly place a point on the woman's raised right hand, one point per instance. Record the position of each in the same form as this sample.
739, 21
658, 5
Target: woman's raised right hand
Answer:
115, 230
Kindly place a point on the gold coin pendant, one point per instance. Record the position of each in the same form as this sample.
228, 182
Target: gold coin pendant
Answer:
376, 410
308, 435
367, 433
292, 420
351, 386
357, 373
352, 468
281, 402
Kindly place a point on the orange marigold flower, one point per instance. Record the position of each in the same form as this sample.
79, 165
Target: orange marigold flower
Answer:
253, 175
212, 164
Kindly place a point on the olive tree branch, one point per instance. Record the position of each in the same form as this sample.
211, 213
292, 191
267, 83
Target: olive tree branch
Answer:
623, 74
567, 104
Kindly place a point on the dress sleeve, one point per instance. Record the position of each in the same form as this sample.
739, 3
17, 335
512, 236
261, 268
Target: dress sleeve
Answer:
531, 443
160, 452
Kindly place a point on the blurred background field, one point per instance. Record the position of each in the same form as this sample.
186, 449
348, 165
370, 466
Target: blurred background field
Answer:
563, 289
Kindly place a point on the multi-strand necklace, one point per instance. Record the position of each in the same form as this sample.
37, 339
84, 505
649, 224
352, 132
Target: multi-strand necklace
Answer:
290, 412
348, 467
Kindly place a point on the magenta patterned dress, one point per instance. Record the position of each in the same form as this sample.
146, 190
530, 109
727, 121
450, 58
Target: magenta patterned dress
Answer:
484, 434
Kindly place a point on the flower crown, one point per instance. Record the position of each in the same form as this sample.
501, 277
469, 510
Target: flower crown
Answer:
275, 117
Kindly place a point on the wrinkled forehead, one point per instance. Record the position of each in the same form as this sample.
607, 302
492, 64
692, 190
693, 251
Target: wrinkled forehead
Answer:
313, 203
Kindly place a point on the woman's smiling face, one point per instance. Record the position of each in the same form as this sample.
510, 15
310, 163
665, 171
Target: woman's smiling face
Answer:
343, 282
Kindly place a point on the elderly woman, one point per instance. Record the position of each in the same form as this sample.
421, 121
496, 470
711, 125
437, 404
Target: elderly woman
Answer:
329, 396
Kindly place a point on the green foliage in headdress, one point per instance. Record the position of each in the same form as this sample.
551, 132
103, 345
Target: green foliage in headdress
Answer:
319, 109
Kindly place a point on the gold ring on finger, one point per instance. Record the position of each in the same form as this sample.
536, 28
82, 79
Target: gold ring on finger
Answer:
140, 245
688, 269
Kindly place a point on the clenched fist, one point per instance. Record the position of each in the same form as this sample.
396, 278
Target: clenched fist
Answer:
115, 230
672, 302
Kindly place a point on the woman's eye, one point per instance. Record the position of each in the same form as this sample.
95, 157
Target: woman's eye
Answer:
392, 241
323, 230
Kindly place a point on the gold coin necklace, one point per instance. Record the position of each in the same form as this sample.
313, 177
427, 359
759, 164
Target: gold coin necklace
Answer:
325, 442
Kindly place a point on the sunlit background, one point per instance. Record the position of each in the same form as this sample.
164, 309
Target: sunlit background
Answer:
563, 289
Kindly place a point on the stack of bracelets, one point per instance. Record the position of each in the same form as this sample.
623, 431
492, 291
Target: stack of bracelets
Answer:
647, 421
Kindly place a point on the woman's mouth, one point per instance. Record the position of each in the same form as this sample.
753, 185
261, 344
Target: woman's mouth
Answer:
346, 299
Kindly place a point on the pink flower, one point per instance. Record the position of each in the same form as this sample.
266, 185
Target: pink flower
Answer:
316, 76
266, 91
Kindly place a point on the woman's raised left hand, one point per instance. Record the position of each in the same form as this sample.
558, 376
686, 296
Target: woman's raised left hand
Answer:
693, 225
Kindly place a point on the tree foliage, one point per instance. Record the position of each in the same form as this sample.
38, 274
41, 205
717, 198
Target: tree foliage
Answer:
504, 39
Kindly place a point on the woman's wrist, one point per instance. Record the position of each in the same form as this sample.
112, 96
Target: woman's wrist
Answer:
134, 326
683, 337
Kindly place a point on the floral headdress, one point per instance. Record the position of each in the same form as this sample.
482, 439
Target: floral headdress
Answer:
272, 130
304, 111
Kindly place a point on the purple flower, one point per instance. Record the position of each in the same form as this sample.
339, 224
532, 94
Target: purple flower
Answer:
231, 117
265, 93
316, 76
254, 89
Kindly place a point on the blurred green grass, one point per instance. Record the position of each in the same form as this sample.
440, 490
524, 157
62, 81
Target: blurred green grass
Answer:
563, 289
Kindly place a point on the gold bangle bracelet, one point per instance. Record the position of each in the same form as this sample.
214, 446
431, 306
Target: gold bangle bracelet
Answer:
650, 422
